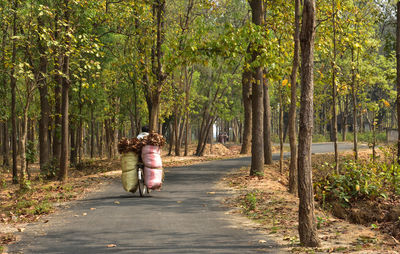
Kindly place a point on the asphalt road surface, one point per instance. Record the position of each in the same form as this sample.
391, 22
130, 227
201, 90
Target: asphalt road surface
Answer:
185, 217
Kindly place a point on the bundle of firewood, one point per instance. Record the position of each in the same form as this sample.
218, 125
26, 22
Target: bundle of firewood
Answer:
154, 139
135, 145
130, 145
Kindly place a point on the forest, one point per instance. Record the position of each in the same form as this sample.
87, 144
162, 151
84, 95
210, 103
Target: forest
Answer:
76, 76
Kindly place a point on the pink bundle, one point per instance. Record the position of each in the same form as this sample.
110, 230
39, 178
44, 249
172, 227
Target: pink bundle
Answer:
153, 177
153, 172
151, 156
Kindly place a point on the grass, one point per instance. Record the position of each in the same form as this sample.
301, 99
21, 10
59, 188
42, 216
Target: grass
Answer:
365, 137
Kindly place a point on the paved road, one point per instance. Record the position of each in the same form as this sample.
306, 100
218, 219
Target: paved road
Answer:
183, 218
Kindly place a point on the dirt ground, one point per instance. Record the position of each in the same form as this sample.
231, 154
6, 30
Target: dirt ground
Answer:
267, 203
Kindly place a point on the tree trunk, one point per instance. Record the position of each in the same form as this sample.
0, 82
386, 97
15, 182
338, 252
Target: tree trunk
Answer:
398, 78
293, 174
281, 131
307, 227
354, 96
257, 145
57, 95
73, 137
267, 124
23, 173
334, 91
5, 137
6, 145
157, 65
344, 118
246, 93
187, 134
101, 138
65, 105
44, 104
13, 84
91, 134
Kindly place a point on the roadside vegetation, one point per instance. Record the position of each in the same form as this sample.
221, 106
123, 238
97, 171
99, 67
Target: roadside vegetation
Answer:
357, 210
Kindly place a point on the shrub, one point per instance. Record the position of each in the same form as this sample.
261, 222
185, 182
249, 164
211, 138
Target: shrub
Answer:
359, 180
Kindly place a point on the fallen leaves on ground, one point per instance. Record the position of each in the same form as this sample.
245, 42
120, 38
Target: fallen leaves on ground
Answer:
266, 201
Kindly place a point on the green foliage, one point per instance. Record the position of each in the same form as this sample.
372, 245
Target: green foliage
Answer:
359, 180
31, 152
51, 170
250, 202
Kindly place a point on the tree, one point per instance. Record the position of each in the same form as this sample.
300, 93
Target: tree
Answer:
293, 99
334, 90
398, 77
257, 145
13, 84
307, 227
65, 98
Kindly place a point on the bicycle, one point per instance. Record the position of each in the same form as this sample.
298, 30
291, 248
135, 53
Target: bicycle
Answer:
143, 190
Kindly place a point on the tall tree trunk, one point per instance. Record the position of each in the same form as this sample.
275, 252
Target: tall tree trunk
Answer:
171, 138
57, 93
13, 84
44, 104
334, 91
246, 93
6, 145
307, 227
91, 133
354, 99
344, 118
267, 124
65, 104
177, 121
100, 144
281, 109
5, 137
257, 145
23, 172
293, 174
157, 65
73, 137
187, 134
398, 78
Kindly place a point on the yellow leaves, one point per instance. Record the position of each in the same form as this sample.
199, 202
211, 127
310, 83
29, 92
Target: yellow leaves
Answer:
285, 82
386, 103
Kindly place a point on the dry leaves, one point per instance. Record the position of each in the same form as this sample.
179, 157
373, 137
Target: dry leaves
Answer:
135, 145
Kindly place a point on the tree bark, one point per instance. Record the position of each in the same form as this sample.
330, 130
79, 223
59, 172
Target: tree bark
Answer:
267, 124
334, 91
91, 133
354, 99
293, 174
157, 66
257, 145
44, 104
6, 145
281, 109
246, 93
13, 84
65, 105
307, 227
398, 78
5, 137
57, 95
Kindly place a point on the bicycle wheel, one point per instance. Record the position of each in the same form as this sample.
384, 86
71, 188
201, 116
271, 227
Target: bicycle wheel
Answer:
142, 186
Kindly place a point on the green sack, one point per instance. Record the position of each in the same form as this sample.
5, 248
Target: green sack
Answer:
129, 171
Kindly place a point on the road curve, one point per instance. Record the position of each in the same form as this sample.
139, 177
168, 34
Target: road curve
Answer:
183, 218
